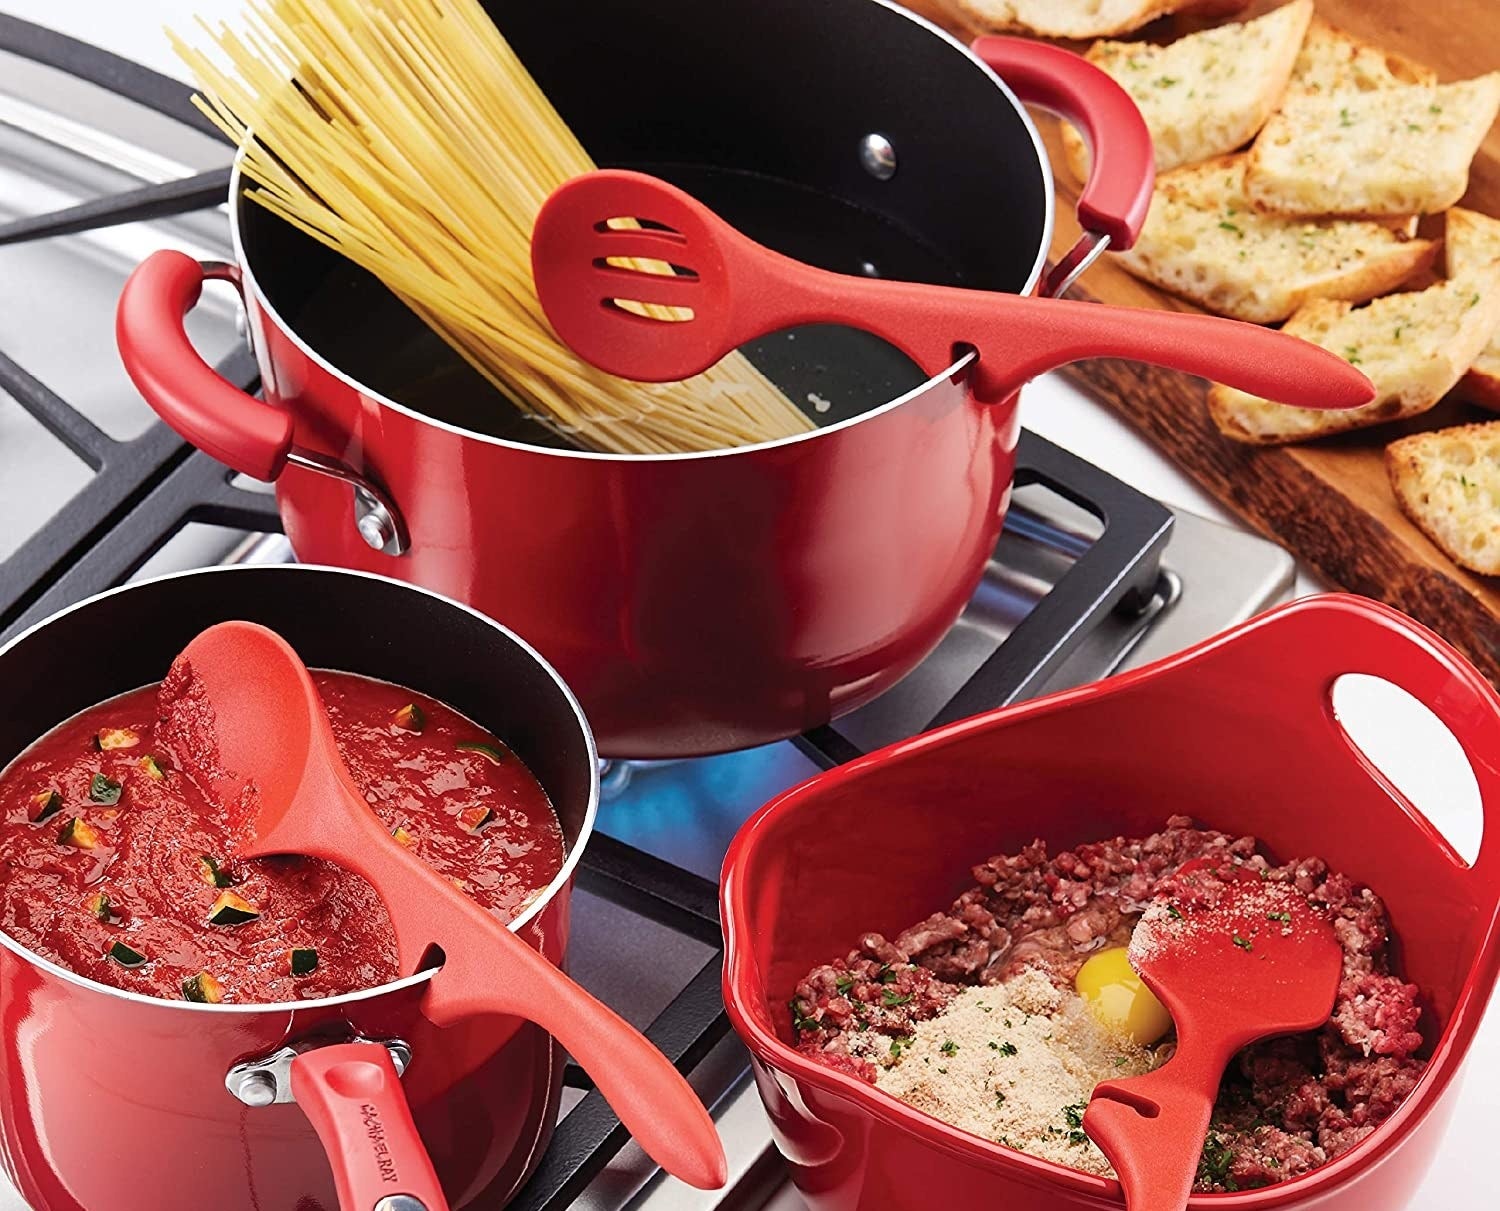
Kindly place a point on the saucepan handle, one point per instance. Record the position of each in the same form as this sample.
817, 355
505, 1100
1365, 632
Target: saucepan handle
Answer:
1112, 208
352, 1095
1319, 639
239, 430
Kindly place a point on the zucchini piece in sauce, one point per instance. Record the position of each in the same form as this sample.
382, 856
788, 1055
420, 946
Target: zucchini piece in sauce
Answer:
488, 751
45, 805
104, 789
100, 906
473, 819
303, 960
410, 718
125, 956
79, 834
212, 874
152, 768
115, 737
202, 989
230, 909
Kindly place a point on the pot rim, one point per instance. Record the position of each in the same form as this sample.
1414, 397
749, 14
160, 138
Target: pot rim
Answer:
1044, 245
742, 986
560, 880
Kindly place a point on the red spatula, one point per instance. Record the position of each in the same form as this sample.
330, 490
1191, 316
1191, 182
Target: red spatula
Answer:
737, 290
279, 763
1234, 959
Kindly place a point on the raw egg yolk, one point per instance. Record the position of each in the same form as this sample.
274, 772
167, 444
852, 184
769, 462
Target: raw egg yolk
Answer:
1120, 999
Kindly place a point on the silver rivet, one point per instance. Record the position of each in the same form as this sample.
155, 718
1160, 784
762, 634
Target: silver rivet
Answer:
400, 1202
257, 1089
868, 269
878, 156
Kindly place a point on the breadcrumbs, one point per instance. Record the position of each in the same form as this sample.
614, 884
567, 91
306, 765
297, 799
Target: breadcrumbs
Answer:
1015, 1063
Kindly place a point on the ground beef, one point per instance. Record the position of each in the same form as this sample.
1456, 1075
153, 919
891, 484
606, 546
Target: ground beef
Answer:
1286, 1106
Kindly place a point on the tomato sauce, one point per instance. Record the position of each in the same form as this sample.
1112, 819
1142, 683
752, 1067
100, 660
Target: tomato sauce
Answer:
129, 881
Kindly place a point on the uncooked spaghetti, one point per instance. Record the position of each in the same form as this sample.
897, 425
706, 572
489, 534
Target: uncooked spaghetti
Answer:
409, 137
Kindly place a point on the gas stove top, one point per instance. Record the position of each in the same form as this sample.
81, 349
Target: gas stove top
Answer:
102, 162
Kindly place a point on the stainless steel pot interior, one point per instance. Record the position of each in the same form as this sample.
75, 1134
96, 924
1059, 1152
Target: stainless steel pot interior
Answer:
354, 622
761, 108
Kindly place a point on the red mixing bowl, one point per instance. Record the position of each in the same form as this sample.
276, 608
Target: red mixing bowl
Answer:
1240, 733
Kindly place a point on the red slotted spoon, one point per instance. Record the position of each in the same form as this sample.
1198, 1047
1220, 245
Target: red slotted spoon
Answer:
738, 290
1235, 959
281, 765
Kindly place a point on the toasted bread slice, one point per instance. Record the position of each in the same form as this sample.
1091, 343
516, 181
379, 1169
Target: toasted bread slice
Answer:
1448, 482
1205, 242
1080, 18
1334, 61
1206, 94
1414, 347
1472, 243
1388, 151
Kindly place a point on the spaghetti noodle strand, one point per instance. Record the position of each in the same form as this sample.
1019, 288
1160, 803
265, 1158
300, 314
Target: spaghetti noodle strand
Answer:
407, 136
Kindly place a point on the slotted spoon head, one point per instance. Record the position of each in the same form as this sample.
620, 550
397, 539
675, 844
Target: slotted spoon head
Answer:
592, 224
277, 767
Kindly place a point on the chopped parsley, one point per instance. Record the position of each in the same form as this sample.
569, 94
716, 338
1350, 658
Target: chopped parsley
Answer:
1464, 479
885, 975
1474, 298
1135, 63
844, 984
1344, 118
1434, 109
950, 1048
999, 1099
890, 998
1351, 355
1166, 81
1073, 1116
1173, 912
1007, 1048
942, 1070
1243, 943
1121, 1061
1214, 1163
799, 1020
900, 1043
985, 1007
1234, 227
1284, 917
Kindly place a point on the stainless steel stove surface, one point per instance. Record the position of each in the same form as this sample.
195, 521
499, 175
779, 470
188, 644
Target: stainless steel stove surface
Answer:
93, 491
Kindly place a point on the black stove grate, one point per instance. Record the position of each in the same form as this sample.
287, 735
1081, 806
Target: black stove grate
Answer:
146, 489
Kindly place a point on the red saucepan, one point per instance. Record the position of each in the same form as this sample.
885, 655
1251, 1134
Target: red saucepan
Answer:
1239, 732
112, 1101
707, 601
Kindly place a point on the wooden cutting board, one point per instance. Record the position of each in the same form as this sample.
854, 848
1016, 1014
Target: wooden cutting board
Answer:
1329, 502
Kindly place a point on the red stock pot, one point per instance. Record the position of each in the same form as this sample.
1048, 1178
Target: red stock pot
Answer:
1240, 733
112, 1101
696, 602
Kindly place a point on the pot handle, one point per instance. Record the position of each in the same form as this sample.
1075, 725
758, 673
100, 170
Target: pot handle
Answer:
242, 432
1112, 208
352, 1095
239, 430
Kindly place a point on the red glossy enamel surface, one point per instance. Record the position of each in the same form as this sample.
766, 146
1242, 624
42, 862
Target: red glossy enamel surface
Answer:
1240, 732
148, 859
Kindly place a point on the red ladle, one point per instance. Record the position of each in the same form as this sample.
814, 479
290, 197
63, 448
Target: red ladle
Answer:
273, 733
1240, 960
739, 290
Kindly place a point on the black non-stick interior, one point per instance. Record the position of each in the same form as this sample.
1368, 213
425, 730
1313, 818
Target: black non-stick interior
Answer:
334, 619
759, 108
